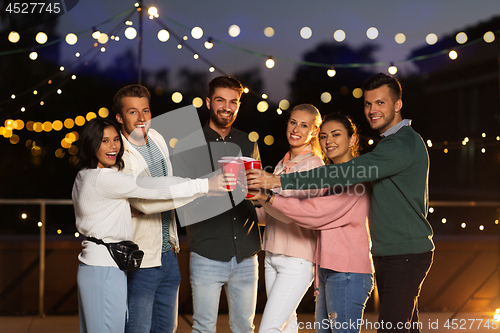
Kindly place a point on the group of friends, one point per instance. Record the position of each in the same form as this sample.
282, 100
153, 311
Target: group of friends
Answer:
331, 216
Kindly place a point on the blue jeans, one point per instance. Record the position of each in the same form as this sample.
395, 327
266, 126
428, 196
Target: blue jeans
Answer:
102, 299
341, 300
153, 297
240, 283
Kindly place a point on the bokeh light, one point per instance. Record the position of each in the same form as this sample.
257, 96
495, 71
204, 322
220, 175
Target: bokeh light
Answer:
270, 63
453, 54
197, 32
284, 104
372, 33
339, 35
177, 97
269, 140
14, 37
130, 33
197, 102
57, 125
489, 37
47, 126
103, 112
68, 123
91, 115
400, 38
306, 32
357, 93
79, 121
163, 35
392, 70
269, 32
103, 38
431, 39
326, 97
234, 30
41, 38
173, 142
253, 136
461, 38
262, 106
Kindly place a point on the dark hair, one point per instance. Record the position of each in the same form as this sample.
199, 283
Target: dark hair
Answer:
351, 128
90, 142
312, 110
378, 80
133, 90
224, 82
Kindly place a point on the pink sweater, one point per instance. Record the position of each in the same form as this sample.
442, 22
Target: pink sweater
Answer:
344, 242
281, 236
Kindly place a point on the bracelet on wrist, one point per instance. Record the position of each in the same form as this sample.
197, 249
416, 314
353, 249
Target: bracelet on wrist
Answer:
271, 193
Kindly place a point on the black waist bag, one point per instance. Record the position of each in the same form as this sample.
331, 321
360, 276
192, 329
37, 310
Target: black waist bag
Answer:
126, 254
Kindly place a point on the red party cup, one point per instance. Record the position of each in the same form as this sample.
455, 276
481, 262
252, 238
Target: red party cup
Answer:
251, 163
230, 166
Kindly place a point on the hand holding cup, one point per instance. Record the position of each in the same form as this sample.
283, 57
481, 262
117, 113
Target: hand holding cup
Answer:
220, 184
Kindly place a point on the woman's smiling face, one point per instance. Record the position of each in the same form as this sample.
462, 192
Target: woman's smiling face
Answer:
335, 142
300, 129
110, 146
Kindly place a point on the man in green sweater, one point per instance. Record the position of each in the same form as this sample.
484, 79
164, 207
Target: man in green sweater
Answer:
398, 168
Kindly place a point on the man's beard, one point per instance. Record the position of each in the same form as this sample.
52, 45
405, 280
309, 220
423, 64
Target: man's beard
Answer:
221, 122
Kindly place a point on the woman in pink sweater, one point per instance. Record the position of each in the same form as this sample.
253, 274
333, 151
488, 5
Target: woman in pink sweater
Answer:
345, 268
290, 249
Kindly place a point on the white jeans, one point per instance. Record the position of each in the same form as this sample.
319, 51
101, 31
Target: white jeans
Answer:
287, 280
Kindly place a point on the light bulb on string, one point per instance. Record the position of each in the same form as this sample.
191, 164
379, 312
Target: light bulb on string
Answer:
209, 44
270, 62
41, 38
163, 35
331, 72
14, 37
130, 33
152, 11
392, 69
95, 33
197, 32
453, 54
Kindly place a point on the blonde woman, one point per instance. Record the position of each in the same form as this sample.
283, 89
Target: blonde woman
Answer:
290, 249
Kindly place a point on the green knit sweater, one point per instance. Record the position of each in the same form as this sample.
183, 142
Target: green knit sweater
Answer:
399, 170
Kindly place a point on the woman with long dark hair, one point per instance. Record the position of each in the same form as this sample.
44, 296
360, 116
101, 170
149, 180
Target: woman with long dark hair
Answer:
102, 211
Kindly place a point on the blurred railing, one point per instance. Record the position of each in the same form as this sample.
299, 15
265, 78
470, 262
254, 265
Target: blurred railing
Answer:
43, 204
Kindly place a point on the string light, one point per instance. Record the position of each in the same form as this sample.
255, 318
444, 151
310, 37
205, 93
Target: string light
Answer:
331, 72
372, 33
270, 62
392, 69
339, 35
209, 44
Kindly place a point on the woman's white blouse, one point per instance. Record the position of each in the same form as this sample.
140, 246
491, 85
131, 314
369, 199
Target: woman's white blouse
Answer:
103, 211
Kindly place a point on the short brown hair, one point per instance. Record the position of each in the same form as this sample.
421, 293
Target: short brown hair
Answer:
378, 80
224, 82
133, 90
